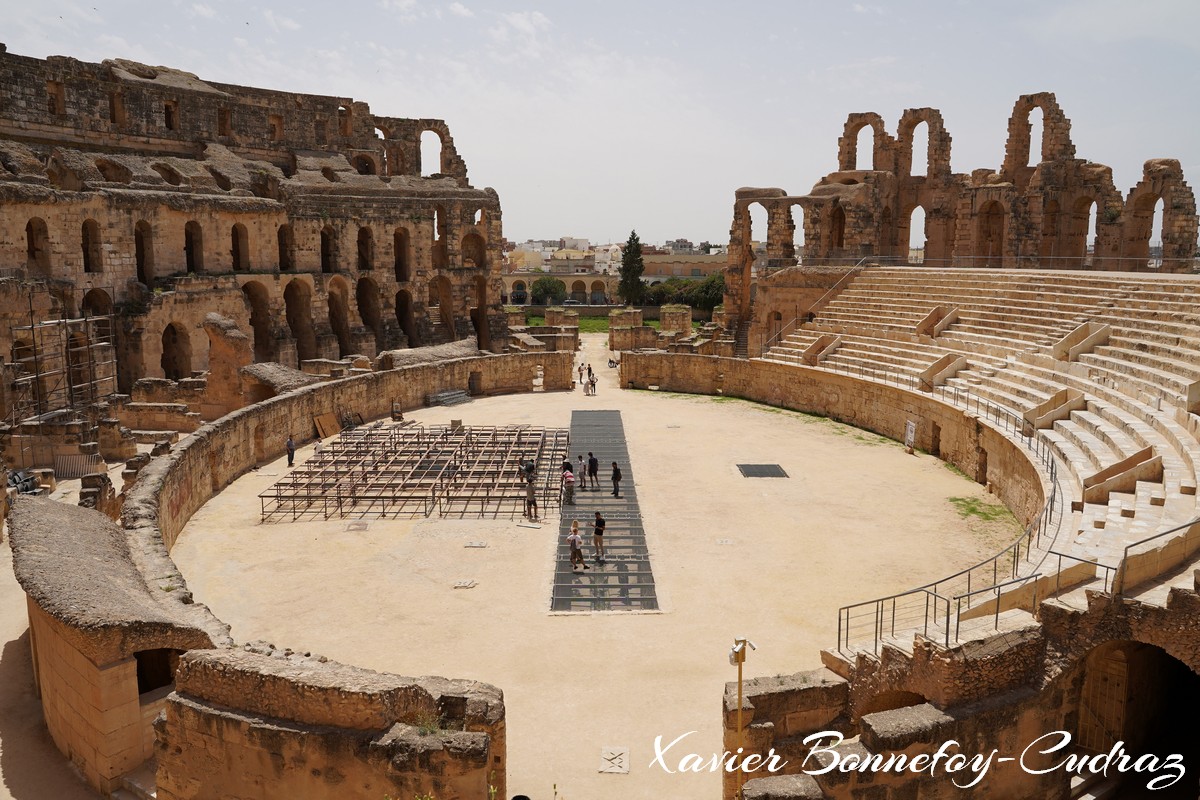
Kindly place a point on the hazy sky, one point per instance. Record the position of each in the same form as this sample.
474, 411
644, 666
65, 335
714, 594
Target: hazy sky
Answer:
594, 118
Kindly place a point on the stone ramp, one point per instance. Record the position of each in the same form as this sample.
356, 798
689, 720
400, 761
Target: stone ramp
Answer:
624, 582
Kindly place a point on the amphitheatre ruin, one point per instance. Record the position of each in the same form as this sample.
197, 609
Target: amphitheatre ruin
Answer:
981, 525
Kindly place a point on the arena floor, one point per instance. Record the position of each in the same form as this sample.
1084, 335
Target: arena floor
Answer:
771, 559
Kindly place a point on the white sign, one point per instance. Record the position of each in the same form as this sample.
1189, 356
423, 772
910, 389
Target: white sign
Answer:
910, 434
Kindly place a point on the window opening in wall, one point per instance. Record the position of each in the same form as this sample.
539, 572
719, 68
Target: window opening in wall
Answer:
400, 248
1158, 233
193, 246
143, 250
366, 249
56, 97
363, 165
345, 126
837, 226
319, 131
91, 246
431, 153
171, 115
328, 250
865, 148
920, 149
176, 359
916, 236
285, 248
116, 108
224, 122
37, 247
1036, 136
275, 122
240, 248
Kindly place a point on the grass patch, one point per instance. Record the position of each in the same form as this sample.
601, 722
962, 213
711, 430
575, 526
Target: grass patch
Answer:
955, 470
975, 507
593, 324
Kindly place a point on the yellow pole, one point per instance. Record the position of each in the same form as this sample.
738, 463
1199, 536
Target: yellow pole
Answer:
741, 731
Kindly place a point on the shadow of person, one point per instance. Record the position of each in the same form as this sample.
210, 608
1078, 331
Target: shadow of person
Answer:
31, 767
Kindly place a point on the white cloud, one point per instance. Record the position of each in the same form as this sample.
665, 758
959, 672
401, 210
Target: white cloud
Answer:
201, 10
279, 22
459, 10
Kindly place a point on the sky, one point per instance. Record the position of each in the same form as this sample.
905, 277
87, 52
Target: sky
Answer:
593, 119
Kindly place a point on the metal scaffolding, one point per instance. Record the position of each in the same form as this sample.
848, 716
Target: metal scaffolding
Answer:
406, 470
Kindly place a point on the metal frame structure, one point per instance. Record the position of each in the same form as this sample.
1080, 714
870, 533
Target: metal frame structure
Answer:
404, 470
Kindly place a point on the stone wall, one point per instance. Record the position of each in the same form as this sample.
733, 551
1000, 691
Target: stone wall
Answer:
299, 726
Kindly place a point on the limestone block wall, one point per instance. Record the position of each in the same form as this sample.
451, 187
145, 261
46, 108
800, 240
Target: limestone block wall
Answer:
245, 723
631, 338
675, 319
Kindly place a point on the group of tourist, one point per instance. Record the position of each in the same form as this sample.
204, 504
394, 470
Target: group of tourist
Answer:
575, 540
589, 384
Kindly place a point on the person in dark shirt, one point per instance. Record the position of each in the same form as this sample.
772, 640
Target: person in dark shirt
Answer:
598, 537
616, 479
593, 470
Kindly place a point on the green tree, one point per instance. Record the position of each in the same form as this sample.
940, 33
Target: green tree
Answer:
548, 290
631, 287
708, 293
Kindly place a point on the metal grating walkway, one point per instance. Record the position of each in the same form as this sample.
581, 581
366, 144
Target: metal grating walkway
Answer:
624, 582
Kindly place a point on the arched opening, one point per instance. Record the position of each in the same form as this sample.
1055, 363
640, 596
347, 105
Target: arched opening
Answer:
364, 165
774, 325
479, 318
114, 172
366, 250
382, 136
97, 303
441, 311
1081, 234
917, 235
339, 315
1135, 693
920, 149
865, 148
156, 668
598, 296
991, 235
1157, 235
890, 700
404, 317
345, 121
756, 235
474, 251
256, 297
1051, 231
440, 224
400, 246
37, 248
297, 299
797, 215
579, 291
193, 246
168, 174
366, 295
22, 354
520, 293
239, 248
286, 241
78, 370
431, 153
480, 219
176, 359
837, 228
143, 252
329, 254
1037, 136
90, 241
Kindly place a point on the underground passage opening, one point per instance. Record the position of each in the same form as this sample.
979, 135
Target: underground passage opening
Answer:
156, 669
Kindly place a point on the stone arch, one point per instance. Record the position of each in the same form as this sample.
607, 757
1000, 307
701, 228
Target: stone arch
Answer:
285, 239
329, 249
97, 303
1056, 133
345, 120
37, 248
92, 246
258, 302
598, 293
366, 297
193, 246
401, 251
1131, 692
887, 234
520, 292
114, 172
848, 143
1161, 179
799, 238
441, 225
479, 316
1052, 227
915, 230
441, 300
937, 143
339, 314
366, 249
364, 164
837, 228
297, 298
474, 251
143, 252
239, 248
176, 361
1083, 219
579, 291
991, 228
405, 317
433, 151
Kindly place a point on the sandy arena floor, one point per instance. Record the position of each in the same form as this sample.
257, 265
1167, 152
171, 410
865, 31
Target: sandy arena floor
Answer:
857, 518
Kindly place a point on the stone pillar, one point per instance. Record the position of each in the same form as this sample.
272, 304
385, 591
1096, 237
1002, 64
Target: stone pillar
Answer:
676, 319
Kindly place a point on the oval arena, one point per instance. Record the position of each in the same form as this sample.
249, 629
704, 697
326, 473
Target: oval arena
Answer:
178, 313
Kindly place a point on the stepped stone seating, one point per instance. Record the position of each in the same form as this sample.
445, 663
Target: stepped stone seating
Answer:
1136, 384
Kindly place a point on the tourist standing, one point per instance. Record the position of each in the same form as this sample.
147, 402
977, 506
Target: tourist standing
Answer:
576, 543
593, 381
581, 473
568, 487
531, 500
616, 479
593, 471
598, 537
291, 450
581, 377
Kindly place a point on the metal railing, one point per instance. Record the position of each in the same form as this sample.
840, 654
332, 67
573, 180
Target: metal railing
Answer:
1109, 571
1191, 543
1086, 263
996, 591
